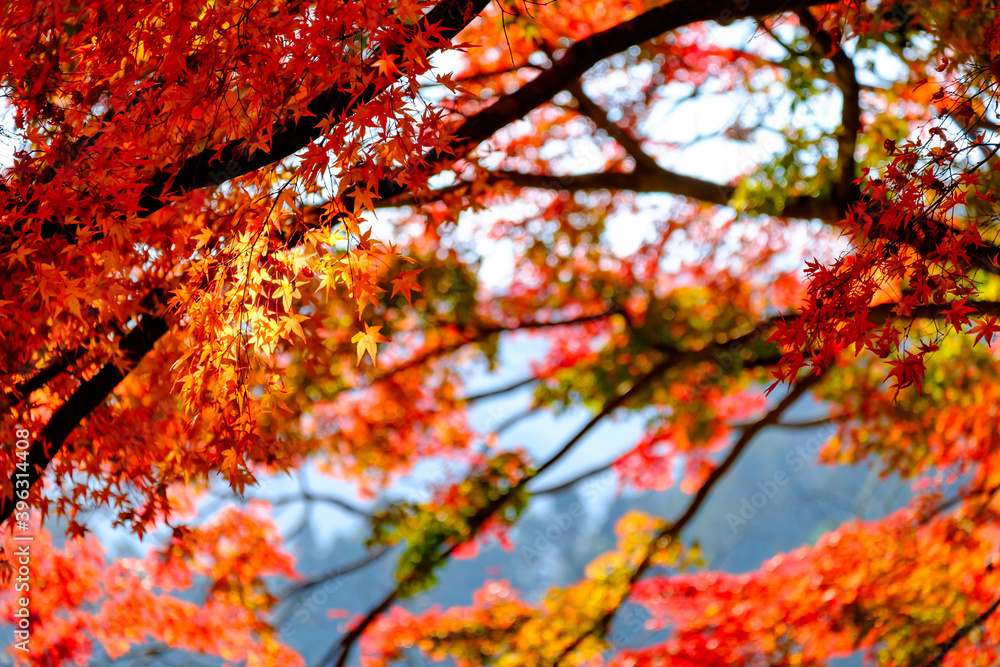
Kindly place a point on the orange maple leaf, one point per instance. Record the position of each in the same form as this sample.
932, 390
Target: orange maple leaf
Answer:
406, 283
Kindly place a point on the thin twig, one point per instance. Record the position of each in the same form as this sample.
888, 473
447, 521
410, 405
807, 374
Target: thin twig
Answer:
500, 390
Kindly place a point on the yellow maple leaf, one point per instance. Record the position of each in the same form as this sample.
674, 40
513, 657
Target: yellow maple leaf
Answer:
368, 342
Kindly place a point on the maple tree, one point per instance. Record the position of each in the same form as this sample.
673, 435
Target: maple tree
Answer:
244, 238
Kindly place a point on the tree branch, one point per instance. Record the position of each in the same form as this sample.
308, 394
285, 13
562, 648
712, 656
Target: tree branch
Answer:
82, 402
961, 634
847, 136
562, 486
41, 378
585, 53
645, 179
337, 572
595, 113
484, 333
501, 390
311, 497
673, 530
450, 17
212, 167
340, 651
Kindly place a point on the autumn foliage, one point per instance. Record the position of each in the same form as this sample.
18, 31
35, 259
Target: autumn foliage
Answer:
244, 239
